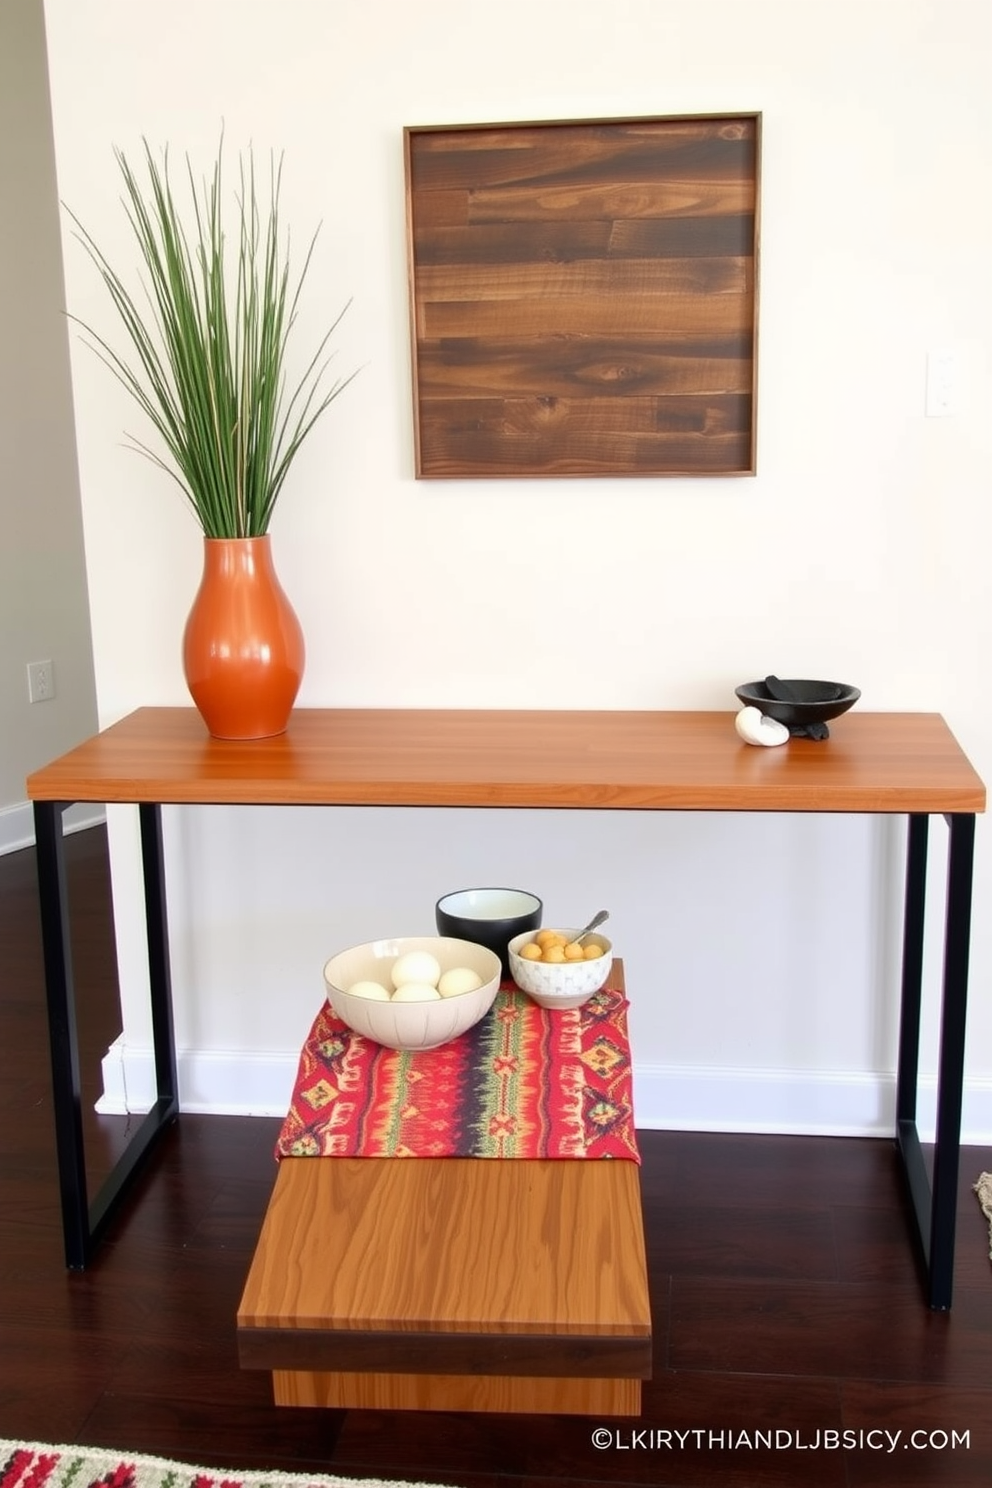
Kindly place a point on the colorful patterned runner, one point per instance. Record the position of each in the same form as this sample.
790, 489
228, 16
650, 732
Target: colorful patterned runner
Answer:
522, 1083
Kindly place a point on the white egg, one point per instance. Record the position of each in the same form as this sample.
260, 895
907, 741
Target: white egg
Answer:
458, 980
755, 728
416, 992
416, 966
374, 991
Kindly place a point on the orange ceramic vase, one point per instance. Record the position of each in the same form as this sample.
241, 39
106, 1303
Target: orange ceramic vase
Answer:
243, 650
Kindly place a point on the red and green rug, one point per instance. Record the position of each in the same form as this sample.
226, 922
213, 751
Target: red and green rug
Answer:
34, 1465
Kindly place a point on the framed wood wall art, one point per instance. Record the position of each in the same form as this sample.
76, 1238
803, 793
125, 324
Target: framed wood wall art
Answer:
584, 297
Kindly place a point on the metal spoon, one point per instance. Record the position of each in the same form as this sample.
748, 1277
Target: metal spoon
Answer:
597, 919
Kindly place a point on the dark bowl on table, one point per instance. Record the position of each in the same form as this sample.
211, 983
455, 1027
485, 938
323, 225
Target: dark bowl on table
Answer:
799, 702
489, 917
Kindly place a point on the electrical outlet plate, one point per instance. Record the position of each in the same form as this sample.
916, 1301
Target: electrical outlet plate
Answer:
41, 681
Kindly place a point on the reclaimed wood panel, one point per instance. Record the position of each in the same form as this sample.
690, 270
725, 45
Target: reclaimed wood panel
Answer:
584, 297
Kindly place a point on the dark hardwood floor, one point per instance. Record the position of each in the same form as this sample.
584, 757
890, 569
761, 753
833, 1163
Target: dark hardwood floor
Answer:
786, 1298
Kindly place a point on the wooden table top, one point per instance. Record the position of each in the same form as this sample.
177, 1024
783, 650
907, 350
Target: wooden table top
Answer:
872, 762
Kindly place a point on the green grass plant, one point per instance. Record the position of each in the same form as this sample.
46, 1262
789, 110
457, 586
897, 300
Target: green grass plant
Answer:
208, 336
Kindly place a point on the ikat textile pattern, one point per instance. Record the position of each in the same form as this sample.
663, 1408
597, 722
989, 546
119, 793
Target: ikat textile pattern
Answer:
524, 1082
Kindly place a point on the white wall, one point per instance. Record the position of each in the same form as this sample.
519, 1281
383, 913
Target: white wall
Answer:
44, 614
761, 954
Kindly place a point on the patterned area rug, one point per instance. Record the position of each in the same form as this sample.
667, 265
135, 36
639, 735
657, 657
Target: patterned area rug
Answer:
33, 1465
983, 1188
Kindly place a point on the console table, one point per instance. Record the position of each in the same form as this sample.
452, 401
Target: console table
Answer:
894, 763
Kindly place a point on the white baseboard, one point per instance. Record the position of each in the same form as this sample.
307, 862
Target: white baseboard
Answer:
801, 1103
225, 1083
17, 823
795, 1102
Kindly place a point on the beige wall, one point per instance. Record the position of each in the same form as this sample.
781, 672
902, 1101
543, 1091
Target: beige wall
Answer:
44, 612
759, 955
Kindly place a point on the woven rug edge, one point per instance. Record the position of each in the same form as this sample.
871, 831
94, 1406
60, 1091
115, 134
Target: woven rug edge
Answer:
231, 1477
983, 1191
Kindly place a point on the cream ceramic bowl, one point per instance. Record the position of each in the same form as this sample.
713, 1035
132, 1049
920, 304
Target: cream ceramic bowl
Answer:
561, 984
410, 1025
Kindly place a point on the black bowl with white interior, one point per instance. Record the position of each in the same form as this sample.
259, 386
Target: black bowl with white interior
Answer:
489, 917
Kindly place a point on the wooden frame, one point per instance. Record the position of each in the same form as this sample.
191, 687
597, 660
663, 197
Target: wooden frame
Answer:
584, 297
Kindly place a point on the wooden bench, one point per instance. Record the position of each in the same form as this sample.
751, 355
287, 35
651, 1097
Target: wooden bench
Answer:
452, 1284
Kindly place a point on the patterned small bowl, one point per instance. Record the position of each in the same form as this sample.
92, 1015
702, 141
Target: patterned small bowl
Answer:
560, 984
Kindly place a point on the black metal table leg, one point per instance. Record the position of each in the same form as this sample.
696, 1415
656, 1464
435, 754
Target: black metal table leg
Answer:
935, 1204
912, 969
159, 971
83, 1225
950, 1076
62, 1029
